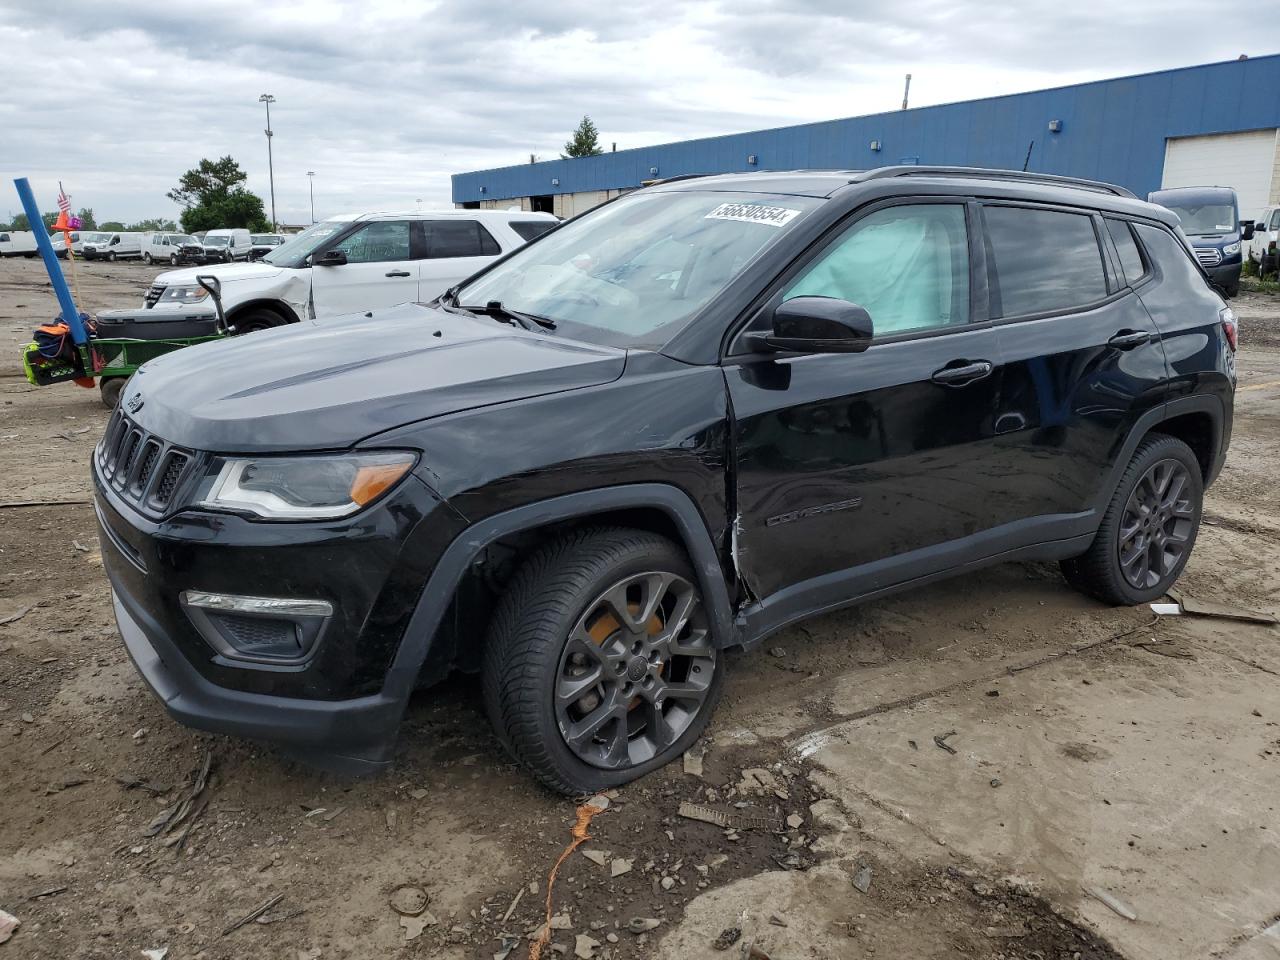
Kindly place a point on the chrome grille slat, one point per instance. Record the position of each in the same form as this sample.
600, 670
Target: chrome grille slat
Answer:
144, 470
1209, 256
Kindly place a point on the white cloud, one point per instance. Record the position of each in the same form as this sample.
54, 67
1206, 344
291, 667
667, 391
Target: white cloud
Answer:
385, 99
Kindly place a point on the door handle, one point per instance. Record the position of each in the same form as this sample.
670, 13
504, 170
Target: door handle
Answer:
965, 372
1128, 339
398, 273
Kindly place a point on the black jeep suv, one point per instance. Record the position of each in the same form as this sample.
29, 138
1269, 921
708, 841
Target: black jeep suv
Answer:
674, 425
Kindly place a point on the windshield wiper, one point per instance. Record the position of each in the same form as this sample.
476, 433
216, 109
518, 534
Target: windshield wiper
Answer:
495, 309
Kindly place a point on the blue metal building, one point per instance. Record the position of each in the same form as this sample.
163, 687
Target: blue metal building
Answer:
1203, 124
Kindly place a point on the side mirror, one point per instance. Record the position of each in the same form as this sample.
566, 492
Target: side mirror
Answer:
1246, 230
331, 258
816, 325
1259, 227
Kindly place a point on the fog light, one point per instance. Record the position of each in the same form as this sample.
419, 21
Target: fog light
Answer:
267, 630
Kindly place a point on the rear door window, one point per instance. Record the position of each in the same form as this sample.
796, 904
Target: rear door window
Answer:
1042, 261
447, 239
1130, 256
528, 229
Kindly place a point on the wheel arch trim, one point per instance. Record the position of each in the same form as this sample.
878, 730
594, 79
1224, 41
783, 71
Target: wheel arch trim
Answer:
1150, 422
459, 555
286, 312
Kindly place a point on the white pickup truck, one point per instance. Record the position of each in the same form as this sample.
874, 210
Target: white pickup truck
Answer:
352, 263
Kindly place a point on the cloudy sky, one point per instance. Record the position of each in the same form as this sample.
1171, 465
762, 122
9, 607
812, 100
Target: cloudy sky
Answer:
384, 99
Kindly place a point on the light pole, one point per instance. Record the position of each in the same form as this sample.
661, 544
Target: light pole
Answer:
311, 179
268, 99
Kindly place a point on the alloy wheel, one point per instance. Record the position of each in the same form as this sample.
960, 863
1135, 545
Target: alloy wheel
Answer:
635, 671
1157, 525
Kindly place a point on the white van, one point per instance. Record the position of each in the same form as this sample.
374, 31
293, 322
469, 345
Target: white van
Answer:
349, 264
112, 246
172, 248
17, 243
60, 244
223, 246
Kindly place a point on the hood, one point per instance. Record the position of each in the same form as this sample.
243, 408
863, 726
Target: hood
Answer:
324, 385
226, 272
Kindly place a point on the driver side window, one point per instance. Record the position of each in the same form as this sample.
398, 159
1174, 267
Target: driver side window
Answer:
377, 242
907, 265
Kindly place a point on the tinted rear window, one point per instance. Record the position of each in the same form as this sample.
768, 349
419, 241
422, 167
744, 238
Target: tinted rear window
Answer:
1130, 256
1042, 261
528, 229
459, 238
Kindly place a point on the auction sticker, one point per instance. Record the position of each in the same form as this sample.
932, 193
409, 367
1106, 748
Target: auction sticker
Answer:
753, 213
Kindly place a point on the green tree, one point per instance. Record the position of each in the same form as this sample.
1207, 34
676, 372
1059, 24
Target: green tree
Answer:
585, 141
20, 222
49, 218
154, 225
112, 226
87, 222
211, 197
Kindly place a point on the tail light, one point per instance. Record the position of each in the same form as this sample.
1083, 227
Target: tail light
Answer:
1230, 326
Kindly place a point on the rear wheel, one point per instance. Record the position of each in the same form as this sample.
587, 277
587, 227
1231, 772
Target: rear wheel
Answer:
599, 666
110, 390
1149, 529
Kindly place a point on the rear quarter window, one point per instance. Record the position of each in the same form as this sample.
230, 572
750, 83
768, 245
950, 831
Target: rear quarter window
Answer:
1042, 261
1169, 253
528, 229
1131, 264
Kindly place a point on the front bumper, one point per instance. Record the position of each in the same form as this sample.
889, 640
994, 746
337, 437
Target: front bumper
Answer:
339, 709
1225, 274
353, 737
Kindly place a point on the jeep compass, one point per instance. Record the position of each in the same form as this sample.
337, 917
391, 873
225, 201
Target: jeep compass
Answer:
675, 425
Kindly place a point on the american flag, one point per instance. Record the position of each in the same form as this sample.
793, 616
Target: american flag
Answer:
64, 202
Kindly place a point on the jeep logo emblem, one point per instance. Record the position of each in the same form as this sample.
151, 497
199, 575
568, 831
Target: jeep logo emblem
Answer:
134, 403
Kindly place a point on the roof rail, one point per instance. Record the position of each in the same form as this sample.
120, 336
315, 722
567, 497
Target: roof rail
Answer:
984, 173
676, 179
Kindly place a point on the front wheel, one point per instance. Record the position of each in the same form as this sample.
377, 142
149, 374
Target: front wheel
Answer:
111, 257
1149, 529
173, 259
599, 666
146, 258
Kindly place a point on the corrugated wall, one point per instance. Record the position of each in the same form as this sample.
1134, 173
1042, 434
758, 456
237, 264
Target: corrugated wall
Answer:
1112, 130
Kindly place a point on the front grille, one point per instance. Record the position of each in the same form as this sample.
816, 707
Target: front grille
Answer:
143, 469
1209, 256
260, 634
154, 294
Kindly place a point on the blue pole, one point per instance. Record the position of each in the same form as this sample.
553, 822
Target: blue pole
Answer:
69, 312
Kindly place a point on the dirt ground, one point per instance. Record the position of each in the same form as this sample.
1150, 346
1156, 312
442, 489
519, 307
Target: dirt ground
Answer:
1100, 755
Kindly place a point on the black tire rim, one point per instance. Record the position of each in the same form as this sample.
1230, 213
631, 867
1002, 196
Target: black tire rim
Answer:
1156, 528
635, 671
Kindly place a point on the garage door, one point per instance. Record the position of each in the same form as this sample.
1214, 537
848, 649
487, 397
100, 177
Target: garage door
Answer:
1245, 161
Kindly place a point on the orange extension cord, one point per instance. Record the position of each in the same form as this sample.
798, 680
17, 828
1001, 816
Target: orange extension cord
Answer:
585, 812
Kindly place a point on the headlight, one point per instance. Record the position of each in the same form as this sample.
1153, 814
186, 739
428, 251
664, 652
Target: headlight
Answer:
1231, 249
303, 488
188, 293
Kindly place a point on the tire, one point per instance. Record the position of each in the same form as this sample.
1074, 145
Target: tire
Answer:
554, 628
1233, 290
173, 259
111, 256
110, 390
1139, 552
146, 258
253, 321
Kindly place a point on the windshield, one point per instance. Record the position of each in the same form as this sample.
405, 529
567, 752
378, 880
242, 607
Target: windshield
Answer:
216, 241
1205, 218
182, 238
294, 251
634, 271
266, 240
93, 237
